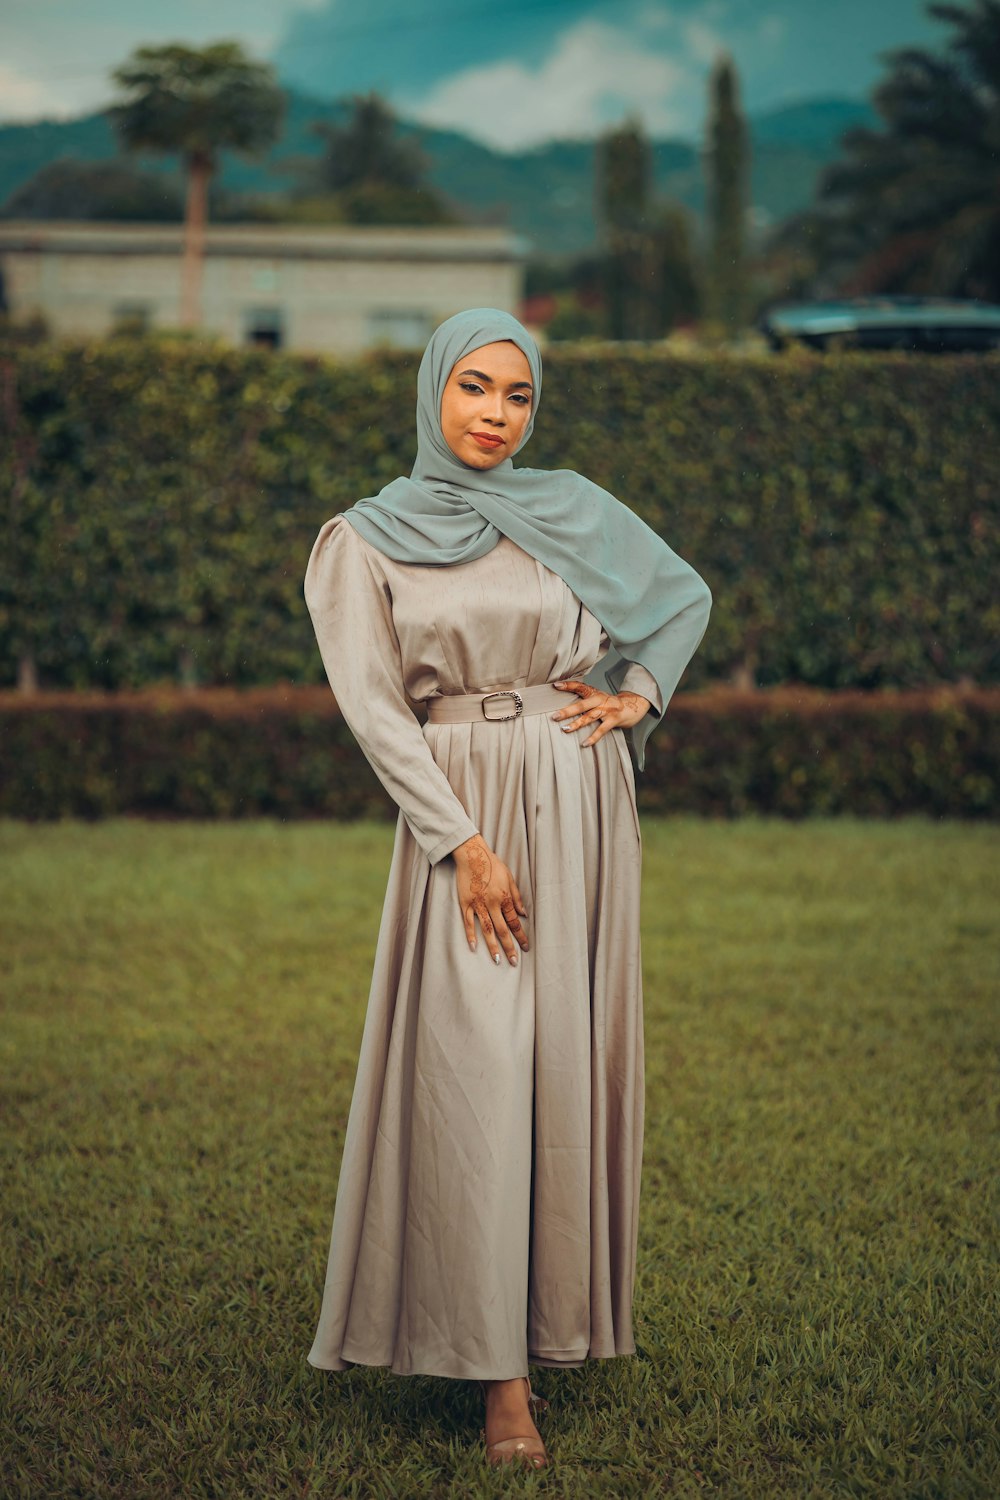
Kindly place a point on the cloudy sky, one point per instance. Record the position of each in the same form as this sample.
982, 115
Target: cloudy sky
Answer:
513, 74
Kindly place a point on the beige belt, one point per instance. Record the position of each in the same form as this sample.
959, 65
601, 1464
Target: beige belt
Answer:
503, 703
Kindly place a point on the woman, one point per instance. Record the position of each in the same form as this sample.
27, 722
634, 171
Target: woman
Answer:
487, 1206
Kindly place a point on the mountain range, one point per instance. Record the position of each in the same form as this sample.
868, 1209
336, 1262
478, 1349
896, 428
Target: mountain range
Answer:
545, 194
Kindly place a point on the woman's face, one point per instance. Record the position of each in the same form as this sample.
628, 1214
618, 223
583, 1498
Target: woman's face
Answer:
486, 404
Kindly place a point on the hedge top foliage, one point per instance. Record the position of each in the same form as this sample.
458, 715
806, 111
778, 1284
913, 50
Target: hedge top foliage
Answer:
161, 499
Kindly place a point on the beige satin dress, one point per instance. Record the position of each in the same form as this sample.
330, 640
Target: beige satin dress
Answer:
488, 1197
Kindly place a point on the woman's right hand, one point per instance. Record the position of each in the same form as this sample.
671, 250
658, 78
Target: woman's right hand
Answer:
487, 890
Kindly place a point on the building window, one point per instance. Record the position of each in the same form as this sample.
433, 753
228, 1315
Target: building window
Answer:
131, 317
399, 326
264, 325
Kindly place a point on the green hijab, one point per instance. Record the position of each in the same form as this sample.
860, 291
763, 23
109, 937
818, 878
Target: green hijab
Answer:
652, 604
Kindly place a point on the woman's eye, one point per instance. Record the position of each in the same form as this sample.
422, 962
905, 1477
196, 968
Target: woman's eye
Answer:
522, 400
468, 385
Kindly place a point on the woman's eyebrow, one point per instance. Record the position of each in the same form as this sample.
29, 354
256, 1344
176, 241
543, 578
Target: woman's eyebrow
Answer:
515, 385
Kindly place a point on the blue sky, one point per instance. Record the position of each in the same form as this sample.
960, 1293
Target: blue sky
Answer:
513, 74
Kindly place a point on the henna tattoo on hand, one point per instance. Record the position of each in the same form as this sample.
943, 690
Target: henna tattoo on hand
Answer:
479, 865
612, 711
635, 703
482, 876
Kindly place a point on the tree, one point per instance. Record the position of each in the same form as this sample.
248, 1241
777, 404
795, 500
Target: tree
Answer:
624, 179
649, 280
914, 207
72, 189
374, 175
197, 103
727, 168
678, 298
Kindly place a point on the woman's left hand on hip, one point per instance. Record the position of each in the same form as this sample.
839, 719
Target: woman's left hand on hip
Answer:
607, 710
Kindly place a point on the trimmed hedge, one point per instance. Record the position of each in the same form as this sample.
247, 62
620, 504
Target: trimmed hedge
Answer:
286, 752
160, 502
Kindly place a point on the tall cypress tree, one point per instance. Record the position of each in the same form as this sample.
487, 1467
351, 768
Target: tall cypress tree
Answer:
647, 268
624, 173
727, 170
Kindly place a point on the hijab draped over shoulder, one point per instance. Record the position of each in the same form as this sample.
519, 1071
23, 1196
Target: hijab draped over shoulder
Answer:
653, 606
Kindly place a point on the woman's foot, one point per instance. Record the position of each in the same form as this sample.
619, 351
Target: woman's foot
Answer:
511, 1434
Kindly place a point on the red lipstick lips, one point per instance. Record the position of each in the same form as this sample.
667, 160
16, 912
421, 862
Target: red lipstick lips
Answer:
486, 439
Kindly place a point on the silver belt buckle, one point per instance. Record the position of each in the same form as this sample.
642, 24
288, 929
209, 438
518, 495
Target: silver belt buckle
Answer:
505, 693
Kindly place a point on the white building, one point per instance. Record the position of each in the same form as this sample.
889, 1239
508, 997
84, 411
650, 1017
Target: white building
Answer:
330, 289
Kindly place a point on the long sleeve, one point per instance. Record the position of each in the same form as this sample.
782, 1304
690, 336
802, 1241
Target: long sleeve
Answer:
635, 679
638, 680
682, 632
351, 609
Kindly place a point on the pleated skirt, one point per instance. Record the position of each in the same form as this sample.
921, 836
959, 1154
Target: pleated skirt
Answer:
487, 1204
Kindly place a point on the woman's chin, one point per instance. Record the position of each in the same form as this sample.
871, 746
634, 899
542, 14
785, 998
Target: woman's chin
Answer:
480, 460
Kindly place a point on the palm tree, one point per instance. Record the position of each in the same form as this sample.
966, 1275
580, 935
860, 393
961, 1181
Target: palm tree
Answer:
915, 206
197, 103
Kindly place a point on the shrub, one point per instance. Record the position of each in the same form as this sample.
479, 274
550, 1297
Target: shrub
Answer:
161, 501
286, 752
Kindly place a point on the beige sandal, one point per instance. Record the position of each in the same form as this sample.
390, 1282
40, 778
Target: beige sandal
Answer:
530, 1449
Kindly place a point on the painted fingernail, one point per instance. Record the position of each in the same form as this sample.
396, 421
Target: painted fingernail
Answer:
560, 683
496, 958
513, 962
472, 945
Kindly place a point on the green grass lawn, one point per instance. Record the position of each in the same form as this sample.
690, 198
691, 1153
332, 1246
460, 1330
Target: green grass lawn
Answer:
818, 1311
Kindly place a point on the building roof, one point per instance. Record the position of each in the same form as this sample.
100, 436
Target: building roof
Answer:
438, 242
